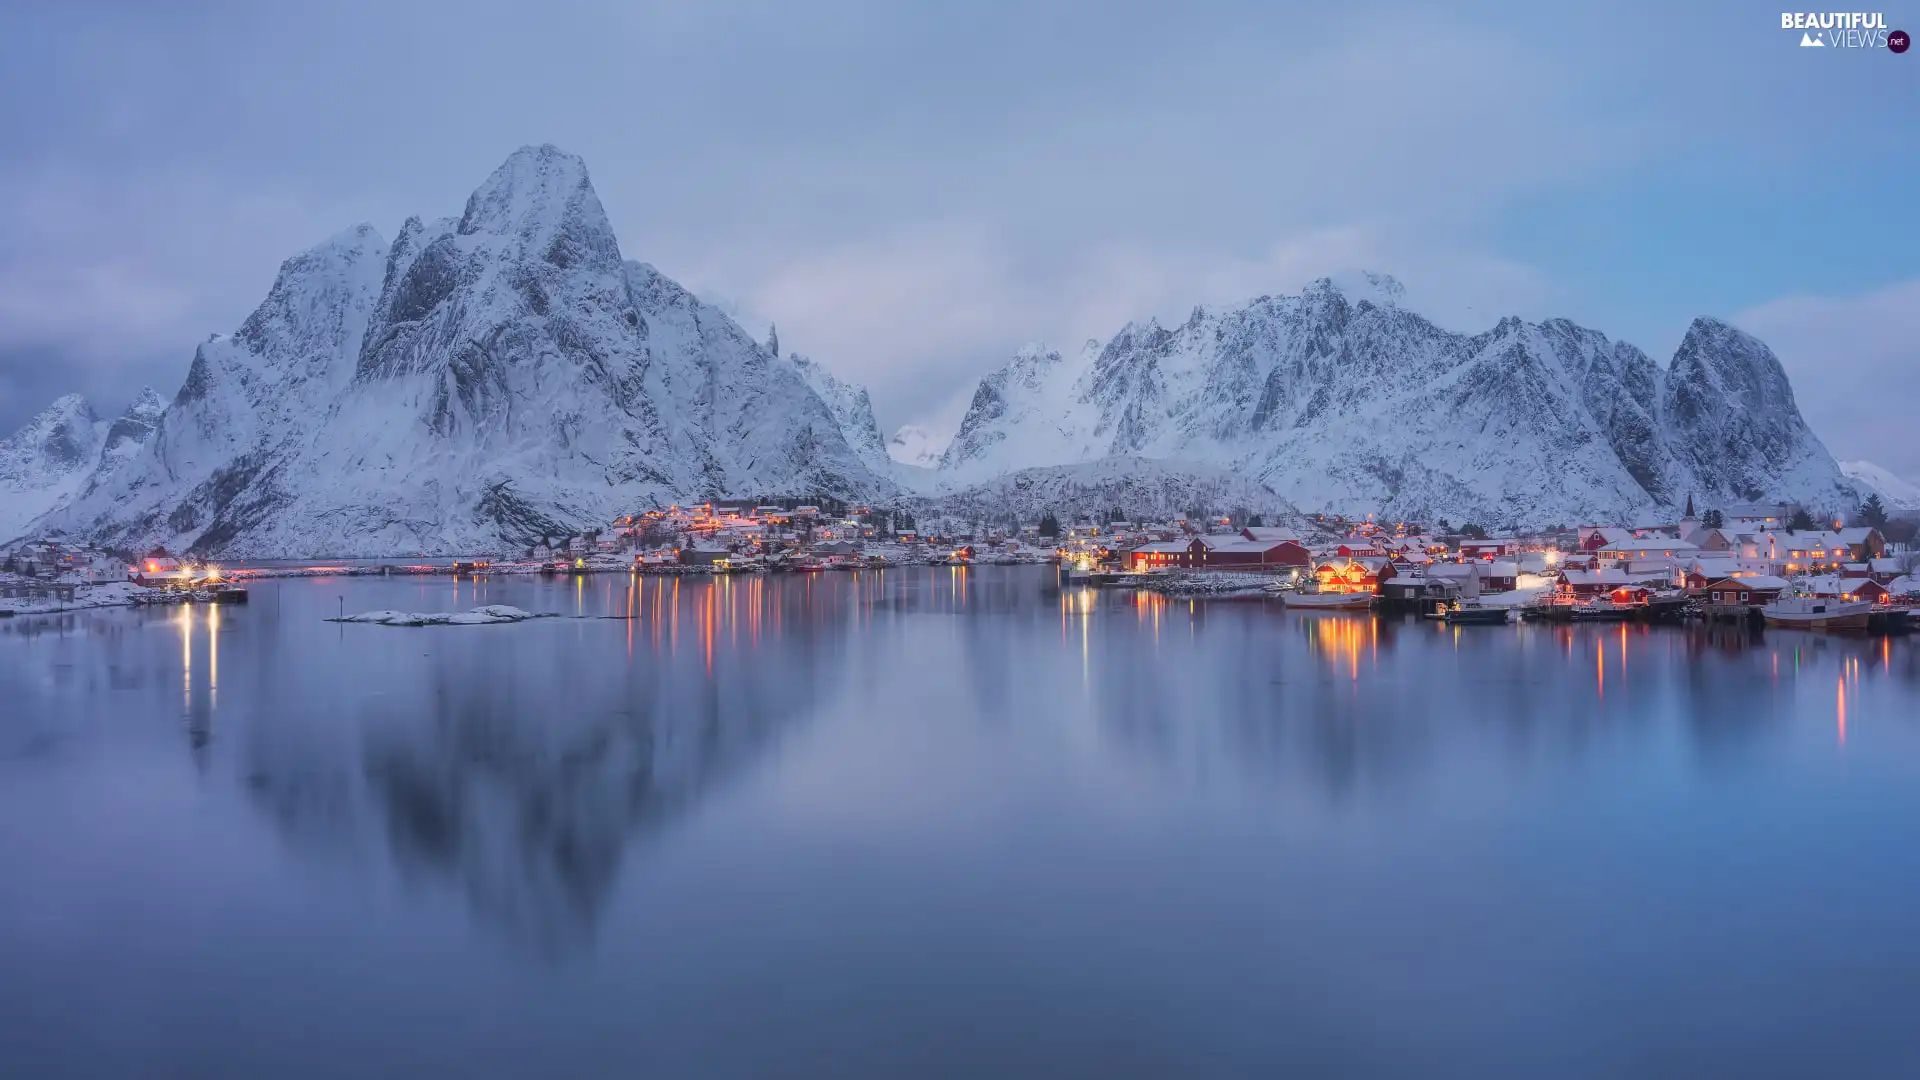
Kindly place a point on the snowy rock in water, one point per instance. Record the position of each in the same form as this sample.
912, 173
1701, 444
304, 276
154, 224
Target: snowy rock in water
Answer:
1365, 407
480, 616
479, 382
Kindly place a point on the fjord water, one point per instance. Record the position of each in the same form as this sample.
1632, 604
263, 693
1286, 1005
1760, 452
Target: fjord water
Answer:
945, 822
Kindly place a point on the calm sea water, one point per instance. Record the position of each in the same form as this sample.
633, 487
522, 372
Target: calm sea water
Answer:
946, 822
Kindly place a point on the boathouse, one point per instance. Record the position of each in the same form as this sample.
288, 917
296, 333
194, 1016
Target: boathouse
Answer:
1837, 587
1732, 592
1587, 584
1361, 574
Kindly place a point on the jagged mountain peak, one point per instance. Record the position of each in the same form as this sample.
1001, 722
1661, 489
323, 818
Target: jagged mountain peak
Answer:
69, 405
136, 424
1734, 360
59, 436
483, 379
542, 199
146, 405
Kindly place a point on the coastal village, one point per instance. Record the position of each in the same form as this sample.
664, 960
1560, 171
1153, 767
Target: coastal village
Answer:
1737, 563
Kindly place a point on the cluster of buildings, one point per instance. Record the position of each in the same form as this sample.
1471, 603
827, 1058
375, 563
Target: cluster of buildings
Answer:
58, 561
740, 535
1749, 555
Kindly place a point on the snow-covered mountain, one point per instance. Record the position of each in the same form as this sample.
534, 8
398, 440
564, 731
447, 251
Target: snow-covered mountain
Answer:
1140, 488
1895, 493
483, 379
64, 450
849, 405
1365, 407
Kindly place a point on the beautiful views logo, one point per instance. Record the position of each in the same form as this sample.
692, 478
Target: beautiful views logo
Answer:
1844, 30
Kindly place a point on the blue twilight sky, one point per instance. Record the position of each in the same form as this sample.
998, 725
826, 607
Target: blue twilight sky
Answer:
913, 190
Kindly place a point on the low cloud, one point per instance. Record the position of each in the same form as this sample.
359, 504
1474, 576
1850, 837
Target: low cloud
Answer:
108, 282
921, 313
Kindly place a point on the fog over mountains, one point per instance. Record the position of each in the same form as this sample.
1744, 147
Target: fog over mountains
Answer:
490, 376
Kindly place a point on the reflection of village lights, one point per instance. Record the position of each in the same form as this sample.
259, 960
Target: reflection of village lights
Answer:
1841, 708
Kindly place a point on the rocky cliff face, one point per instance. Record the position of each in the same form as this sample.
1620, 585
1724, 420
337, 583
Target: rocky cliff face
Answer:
851, 408
1364, 407
477, 382
1732, 423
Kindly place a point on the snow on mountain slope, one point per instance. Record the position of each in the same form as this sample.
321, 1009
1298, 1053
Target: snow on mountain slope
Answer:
1732, 422
1364, 407
1896, 493
851, 408
1140, 488
62, 451
44, 460
917, 446
483, 380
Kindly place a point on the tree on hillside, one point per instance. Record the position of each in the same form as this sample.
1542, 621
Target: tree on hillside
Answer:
1255, 521
1117, 514
1713, 519
1049, 525
1872, 512
1473, 532
1801, 521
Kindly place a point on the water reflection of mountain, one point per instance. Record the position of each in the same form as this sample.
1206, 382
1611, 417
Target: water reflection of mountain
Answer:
512, 767
516, 767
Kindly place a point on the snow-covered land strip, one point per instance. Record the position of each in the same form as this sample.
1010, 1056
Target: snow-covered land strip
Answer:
490, 615
110, 594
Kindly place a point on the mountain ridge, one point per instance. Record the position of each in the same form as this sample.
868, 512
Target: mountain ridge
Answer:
1364, 407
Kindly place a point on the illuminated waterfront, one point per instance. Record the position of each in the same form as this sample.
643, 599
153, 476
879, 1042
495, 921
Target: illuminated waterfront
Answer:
944, 821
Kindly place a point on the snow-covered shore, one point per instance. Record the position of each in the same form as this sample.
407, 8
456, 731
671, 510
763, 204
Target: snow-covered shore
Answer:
85, 597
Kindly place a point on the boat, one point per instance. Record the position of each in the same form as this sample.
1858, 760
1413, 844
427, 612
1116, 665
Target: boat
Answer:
1475, 615
1327, 601
1666, 605
1818, 613
1554, 607
1603, 611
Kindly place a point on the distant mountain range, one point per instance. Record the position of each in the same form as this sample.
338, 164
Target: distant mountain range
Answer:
494, 375
66, 450
1355, 405
1895, 493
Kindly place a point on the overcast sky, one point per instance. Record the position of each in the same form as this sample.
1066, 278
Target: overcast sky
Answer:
913, 190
